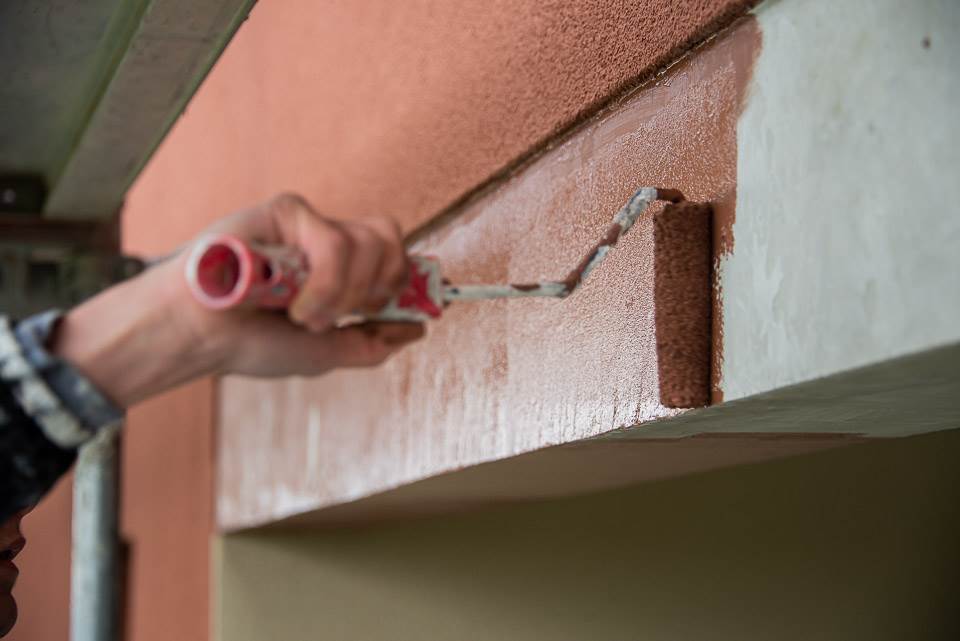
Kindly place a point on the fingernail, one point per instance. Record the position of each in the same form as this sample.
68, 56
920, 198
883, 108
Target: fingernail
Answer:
302, 309
309, 312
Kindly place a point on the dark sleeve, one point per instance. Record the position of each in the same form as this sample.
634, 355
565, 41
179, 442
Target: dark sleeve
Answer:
47, 410
29, 462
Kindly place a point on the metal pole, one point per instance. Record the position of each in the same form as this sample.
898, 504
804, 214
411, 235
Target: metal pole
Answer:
94, 581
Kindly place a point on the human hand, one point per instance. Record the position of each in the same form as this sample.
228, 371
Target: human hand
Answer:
149, 334
355, 266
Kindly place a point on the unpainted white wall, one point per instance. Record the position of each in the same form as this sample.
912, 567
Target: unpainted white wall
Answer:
847, 234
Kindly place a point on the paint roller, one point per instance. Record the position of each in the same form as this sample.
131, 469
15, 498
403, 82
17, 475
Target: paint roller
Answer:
226, 272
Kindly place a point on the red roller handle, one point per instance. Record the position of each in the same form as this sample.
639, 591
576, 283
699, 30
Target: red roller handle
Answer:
226, 272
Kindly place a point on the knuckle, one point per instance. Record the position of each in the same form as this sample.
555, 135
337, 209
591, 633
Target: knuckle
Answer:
386, 225
339, 243
396, 229
333, 266
327, 280
366, 236
289, 201
388, 222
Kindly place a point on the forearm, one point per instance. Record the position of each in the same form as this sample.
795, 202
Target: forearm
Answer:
135, 340
65, 377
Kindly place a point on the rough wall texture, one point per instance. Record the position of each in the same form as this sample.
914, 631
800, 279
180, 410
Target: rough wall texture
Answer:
872, 274
402, 107
496, 379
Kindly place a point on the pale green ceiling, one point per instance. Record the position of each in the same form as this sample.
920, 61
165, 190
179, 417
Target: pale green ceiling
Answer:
74, 79
54, 58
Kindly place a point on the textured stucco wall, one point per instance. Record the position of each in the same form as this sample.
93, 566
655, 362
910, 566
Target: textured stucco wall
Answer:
846, 237
496, 379
858, 543
402, 107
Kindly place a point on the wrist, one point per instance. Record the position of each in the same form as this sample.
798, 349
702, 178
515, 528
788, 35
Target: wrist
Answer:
193, 332
137, 339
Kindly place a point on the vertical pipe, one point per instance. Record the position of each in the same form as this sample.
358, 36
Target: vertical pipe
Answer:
94, 579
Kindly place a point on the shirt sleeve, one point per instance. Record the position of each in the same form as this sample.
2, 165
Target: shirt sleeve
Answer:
47, 410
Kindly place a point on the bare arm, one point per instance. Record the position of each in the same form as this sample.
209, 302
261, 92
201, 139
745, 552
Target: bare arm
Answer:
148, 334
62, 381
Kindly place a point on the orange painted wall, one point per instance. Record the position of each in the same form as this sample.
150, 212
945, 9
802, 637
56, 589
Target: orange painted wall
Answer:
166, 518
496, 379
43, 589
166, 514
402, 107
166, 503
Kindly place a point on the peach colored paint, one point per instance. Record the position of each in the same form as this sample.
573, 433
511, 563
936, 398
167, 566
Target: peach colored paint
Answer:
402, 107
166, 510
43, 588
497, 379
166, 514
166, 517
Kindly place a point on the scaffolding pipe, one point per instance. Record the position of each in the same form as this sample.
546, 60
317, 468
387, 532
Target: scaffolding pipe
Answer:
94, 563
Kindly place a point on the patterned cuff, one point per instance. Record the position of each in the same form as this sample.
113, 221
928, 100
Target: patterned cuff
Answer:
66, 406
